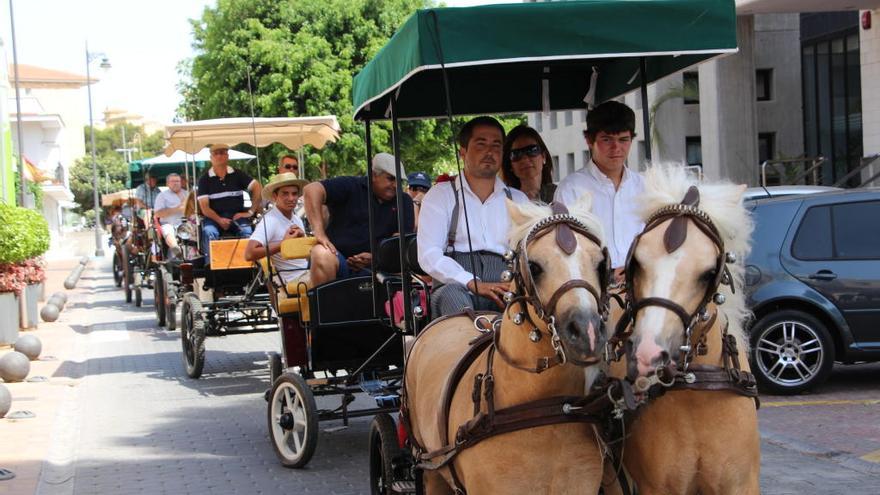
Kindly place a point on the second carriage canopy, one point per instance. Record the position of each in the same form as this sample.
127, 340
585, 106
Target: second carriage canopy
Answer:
532, 57
292, 132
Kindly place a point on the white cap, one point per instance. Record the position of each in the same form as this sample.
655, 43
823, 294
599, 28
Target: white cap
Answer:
384, 162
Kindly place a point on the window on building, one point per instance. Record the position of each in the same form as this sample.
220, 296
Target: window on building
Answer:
555, 168
691, 88
766, 146
694, 150
764, 84
568, 118
554, 120
569, 163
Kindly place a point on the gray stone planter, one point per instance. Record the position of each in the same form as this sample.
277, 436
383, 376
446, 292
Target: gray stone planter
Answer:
8, 318
29, 312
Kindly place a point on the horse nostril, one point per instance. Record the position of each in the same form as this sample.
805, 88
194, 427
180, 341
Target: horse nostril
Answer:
661, 359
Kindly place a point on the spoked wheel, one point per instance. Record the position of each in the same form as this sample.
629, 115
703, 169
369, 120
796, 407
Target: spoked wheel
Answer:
159, 298
127, 277
118, 271
293, 420
192, 335
383, 449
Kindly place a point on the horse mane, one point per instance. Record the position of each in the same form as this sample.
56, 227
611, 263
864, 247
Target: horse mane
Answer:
535, 212
666, 184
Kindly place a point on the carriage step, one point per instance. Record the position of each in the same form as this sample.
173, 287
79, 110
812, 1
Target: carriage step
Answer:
403, 487
334, 429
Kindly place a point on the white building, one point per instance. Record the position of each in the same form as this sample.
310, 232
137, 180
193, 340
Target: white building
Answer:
53, 115
803, 85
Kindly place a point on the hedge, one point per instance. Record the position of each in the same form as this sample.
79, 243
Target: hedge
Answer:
24, 234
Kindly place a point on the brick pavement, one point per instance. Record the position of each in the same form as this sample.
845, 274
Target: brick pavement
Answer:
137, 424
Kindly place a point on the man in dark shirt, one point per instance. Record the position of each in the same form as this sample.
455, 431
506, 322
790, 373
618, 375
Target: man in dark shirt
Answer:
221, 198
343, 248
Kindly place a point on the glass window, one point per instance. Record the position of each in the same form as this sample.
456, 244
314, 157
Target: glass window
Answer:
808, 66
568, 118
694, 150
764, 84
766, 146
554, 123
691, 88
569, 163
813, 239
555, 168
857, 230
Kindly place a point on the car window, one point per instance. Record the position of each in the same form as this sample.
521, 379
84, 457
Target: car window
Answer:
813, 239
857, 230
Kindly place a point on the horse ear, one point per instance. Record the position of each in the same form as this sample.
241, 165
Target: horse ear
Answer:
517, 215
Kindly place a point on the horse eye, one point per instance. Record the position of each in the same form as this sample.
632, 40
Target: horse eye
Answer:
535, 269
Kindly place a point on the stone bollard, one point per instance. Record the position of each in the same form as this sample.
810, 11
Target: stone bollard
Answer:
29, 345
58, 299
14, 367
5, 400
50, 312
73, 278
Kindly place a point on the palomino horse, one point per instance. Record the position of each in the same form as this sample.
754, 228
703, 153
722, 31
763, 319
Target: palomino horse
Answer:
685, 312
465, 370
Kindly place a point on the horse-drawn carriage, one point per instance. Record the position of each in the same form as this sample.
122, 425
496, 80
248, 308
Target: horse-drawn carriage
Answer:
482, 410
222, 293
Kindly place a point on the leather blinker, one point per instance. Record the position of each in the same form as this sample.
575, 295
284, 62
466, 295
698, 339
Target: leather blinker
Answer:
564, 236
676, 233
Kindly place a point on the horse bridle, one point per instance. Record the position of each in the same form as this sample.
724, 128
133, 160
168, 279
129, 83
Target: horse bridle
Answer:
564, 225
674, 237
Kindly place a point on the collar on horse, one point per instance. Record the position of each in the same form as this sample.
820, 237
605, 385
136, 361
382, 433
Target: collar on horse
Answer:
730, 376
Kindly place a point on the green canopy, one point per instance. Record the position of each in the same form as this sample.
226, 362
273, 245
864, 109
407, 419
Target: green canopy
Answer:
160, 170
531, 57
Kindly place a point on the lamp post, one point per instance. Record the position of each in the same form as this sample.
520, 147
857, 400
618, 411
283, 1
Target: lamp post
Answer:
99, 248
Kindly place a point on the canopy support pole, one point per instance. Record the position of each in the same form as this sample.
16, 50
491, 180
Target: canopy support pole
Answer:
374, 249
646, 125
409, 324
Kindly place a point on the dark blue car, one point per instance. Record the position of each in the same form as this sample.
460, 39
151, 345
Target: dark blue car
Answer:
813, 283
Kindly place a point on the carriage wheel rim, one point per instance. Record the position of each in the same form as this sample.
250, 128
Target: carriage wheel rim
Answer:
789, 353
287, 403
188, 344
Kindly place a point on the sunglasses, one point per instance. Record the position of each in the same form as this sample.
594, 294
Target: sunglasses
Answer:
290, 166
220, 152
531, 150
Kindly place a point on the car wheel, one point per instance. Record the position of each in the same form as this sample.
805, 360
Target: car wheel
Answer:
791, 352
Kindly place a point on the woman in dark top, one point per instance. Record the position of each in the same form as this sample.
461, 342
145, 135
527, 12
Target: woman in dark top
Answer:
527, 165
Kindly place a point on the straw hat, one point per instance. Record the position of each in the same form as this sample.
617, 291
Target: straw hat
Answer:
282, 180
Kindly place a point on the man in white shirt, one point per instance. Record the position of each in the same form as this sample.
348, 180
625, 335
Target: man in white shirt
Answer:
614, 186
278, 224
445, 250
169, 210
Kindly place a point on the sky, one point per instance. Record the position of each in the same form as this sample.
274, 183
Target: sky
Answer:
143, 40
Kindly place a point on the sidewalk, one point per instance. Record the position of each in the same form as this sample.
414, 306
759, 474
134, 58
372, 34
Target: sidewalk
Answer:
26, 442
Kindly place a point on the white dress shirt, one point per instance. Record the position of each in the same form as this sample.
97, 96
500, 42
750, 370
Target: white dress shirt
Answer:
271, 229
616, 209
489, 223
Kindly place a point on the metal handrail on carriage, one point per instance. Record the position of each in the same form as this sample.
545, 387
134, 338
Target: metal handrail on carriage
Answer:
494, 69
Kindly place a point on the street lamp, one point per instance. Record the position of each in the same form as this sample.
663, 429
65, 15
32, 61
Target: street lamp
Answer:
105, 64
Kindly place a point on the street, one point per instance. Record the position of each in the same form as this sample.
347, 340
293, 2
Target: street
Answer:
134, 423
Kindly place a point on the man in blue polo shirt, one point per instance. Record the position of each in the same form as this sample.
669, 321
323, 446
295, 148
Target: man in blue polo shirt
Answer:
343, 248
221, 198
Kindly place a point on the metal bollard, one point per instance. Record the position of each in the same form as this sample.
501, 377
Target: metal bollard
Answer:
73, 278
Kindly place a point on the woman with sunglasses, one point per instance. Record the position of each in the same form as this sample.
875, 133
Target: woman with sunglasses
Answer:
526, 164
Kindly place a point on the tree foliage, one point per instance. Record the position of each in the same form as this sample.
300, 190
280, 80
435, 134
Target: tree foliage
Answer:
301, 57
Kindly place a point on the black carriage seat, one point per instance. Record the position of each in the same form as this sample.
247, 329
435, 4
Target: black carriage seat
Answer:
388, 256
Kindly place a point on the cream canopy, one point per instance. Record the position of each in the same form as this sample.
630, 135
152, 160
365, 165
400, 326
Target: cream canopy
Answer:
292, 132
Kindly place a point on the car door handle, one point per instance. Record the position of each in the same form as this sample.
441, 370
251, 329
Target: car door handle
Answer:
823, 275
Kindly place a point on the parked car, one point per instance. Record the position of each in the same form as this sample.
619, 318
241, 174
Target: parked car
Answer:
753, 193
813, 283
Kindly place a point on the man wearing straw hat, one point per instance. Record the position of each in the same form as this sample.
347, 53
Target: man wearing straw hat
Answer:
278, 224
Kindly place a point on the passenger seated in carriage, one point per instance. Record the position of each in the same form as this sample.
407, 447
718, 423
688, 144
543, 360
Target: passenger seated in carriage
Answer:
280, 223
445, 249
169, 209
221, 198
614, 186
343, 248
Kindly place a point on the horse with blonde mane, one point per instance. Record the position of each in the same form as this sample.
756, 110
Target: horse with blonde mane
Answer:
683, 341
465, 373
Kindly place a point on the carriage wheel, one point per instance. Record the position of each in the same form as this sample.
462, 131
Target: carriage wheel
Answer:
383, 448
274, 366
127, 277
192, 335
293, 420
138, 297
118, 272
159, 298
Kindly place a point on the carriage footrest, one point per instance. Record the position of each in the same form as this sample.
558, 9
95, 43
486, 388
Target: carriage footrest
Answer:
403, 486
387, 401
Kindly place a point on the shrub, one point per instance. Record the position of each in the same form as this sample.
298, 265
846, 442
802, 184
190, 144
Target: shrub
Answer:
24, 234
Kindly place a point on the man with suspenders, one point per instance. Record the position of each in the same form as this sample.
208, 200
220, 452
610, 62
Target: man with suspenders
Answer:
464, 224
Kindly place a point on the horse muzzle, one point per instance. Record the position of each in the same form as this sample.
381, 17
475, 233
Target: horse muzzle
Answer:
582, 334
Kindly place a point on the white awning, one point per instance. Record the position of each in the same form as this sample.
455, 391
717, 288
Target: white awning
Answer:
292, 132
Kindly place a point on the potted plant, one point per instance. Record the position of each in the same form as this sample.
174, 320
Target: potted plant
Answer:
24, 235
11, 285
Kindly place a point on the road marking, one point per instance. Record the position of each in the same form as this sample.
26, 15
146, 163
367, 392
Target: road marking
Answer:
864, 402
872, 456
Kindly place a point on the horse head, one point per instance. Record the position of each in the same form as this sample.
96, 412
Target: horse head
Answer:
682, 267
559, 271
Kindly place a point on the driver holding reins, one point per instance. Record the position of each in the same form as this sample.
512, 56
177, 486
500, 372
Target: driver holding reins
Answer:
614, 186
445, 249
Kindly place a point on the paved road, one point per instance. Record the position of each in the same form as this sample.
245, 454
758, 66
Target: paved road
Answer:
137, 424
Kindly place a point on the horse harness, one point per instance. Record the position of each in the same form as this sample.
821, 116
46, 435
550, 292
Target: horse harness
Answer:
613, 395
730, 376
